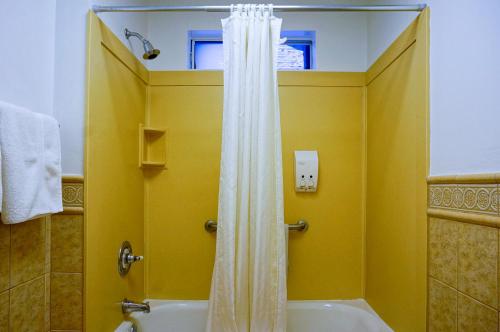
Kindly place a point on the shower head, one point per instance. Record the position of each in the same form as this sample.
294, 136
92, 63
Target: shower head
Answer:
149, 51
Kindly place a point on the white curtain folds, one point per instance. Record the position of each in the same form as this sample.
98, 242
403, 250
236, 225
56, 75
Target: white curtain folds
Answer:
249, 279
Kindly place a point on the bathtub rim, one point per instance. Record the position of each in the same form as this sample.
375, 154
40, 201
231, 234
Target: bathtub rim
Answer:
359, 303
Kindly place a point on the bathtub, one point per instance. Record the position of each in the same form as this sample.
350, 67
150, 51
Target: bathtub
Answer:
303, 316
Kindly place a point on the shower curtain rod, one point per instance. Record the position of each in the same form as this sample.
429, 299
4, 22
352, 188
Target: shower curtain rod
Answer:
276, 8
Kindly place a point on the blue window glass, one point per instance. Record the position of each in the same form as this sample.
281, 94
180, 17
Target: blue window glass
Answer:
296, 53
207, 55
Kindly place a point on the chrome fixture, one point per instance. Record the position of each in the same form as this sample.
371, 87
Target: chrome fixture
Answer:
149, 51
131, 306
126, 258
299, 226
276, 8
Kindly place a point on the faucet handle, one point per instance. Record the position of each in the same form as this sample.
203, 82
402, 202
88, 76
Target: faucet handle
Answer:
126, 258
131, 258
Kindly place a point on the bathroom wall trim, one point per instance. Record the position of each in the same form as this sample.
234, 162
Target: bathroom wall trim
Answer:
285, 78
465, 217
468, 178
72, 194
472, 198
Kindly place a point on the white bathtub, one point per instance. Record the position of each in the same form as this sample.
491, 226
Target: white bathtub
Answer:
303, 316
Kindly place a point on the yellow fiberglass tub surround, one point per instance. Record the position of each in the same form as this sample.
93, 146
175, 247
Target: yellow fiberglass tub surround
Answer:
152, 170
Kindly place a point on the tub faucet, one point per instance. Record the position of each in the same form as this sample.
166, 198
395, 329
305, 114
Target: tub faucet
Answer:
130, 306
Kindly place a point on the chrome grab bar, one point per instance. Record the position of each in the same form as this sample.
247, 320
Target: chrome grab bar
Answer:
299, 226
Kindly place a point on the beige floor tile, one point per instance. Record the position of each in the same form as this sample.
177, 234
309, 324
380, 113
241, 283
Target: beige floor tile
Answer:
442, 307
27, 306
28, 252
66, 301
67, 243
475, 317
477, 262
443, 250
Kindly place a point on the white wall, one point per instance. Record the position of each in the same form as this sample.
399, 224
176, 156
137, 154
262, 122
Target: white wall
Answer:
43, 65
43, 54
70, 70
117, 22
465, 69
69, 88
341, 37
27, 54
381, 34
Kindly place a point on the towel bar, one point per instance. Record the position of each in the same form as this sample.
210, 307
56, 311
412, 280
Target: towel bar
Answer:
299, 226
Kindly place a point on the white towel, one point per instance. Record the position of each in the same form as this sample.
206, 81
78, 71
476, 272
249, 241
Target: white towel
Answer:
30, 164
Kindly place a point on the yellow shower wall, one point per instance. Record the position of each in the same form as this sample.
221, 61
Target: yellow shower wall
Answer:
319, 111
114, 185
397, 167
180, 253
367, 232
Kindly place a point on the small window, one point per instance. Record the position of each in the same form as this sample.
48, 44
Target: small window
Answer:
296, 53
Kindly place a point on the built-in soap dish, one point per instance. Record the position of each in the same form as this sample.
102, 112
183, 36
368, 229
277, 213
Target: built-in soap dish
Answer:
152, 147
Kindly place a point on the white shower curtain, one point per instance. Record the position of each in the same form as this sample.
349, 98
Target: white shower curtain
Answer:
249, 279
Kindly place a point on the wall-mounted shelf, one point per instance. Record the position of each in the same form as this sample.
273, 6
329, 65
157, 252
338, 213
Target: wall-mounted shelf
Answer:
153, 164
153, 131
152, 147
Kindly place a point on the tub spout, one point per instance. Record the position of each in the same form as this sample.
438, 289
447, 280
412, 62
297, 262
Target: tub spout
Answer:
130, 306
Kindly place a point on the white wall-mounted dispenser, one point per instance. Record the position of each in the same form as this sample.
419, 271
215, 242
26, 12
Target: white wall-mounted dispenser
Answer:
306, 171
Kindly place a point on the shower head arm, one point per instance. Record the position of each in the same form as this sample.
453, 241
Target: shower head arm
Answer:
149, 51
129, 34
